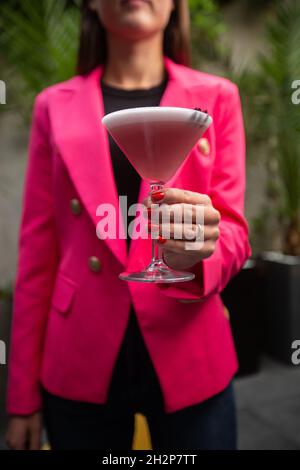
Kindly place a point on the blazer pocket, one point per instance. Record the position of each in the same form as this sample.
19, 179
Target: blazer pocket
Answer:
64, 293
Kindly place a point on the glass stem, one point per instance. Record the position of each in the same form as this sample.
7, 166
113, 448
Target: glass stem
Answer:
156, 249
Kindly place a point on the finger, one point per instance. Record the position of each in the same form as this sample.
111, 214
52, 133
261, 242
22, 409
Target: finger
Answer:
184, 232
189, 248
211, 232
188, 213
174, 231
175, 195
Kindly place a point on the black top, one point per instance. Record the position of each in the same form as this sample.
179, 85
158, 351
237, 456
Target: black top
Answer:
114, 99
134, 370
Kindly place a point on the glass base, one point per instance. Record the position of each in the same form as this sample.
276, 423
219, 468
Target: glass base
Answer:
157, 272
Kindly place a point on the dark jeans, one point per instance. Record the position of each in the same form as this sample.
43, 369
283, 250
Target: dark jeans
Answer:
134, 388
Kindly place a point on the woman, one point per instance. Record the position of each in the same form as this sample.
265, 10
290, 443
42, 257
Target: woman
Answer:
89, 350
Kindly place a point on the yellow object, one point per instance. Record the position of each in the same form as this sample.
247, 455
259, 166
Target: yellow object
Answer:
204, 146
226, 313
141, 438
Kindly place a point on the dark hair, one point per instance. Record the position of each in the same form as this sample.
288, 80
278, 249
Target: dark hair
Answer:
93, 47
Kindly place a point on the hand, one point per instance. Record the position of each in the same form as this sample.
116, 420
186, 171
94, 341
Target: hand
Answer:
24, 432
174, 250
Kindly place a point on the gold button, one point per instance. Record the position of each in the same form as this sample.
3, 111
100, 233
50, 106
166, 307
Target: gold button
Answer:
204, 146
75, 206
94, 264
226, 313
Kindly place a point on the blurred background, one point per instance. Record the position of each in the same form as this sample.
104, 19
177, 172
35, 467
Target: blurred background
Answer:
256, 44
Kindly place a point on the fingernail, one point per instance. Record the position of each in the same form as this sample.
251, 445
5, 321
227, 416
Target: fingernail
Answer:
161, 240
156, 197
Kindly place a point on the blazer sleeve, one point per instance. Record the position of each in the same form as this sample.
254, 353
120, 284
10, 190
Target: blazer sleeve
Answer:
227, 189
37, 266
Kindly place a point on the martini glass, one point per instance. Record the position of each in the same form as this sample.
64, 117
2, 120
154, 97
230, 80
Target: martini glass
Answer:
156, 141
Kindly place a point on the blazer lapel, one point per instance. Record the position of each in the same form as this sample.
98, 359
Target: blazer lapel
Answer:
83, 144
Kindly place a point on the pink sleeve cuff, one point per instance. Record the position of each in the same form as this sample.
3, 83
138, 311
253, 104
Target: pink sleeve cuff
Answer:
207, 280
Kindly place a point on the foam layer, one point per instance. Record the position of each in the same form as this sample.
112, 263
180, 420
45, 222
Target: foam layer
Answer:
157, 113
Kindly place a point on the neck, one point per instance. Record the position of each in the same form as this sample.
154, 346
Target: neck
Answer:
136, 64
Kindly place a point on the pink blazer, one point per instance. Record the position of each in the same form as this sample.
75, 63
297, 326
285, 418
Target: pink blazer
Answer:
70, 308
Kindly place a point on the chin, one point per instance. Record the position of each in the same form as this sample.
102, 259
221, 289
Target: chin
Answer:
136, 31
137, 23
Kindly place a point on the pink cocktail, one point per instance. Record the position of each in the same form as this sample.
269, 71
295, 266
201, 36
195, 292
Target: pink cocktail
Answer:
156, 140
